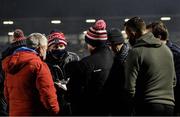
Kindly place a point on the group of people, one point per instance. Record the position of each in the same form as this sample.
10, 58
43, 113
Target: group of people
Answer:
39, 76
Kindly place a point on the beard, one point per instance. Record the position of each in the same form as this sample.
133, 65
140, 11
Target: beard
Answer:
132, 41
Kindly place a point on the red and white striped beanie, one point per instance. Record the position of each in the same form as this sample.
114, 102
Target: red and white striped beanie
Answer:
18, 35
97, 34
56, 38
19, 38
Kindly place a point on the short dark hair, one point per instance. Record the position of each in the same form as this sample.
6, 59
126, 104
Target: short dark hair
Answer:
159, 28
136, 24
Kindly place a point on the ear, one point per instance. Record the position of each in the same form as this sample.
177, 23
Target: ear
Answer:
118, 47
133, 33
90, 48
42, 50
159, 36
130, 32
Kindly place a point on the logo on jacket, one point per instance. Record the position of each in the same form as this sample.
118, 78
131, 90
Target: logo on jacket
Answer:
97, 70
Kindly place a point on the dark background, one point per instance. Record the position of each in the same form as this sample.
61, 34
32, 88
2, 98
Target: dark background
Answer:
35, 15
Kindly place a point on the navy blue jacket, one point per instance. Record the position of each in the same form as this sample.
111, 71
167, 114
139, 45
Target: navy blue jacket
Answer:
176, 56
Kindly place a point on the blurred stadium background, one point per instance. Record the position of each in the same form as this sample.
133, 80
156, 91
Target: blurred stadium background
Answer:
73, 17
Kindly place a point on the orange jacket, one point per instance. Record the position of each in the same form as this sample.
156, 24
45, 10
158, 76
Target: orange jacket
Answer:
28, 87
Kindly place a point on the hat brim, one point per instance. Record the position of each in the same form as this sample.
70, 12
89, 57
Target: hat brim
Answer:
116, 40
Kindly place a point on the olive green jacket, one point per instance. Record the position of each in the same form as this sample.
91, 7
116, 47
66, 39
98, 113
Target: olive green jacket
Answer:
149, 71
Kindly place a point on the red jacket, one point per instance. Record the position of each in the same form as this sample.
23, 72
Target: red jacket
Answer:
28, 86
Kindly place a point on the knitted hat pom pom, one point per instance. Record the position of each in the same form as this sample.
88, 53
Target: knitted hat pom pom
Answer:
100, 25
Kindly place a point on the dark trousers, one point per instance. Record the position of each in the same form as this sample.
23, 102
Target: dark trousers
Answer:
177, 100
3, 106
154, 109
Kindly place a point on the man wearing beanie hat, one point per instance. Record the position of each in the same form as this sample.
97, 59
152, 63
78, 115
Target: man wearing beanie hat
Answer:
115, 39
97, 35
19, 40
28, 86
57, 58
113, 87
88, 76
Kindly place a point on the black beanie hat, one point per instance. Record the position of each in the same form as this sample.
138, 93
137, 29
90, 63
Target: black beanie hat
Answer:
115, 36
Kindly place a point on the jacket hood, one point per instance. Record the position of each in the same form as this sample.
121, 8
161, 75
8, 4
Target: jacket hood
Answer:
14, 63
148, 40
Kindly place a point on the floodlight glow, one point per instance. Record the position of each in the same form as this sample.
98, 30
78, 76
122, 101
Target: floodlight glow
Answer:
123, 31
90, 20
165, 18
55, 21
85, 32
8, 22
10, 33
126, 19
